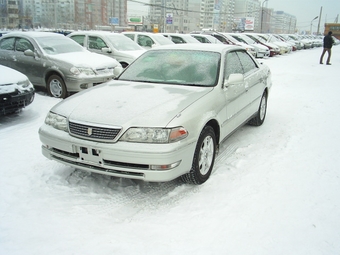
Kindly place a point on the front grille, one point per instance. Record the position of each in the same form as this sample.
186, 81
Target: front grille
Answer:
93, 132
104, 70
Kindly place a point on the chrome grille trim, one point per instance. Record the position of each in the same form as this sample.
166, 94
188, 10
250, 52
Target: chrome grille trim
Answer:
95, 133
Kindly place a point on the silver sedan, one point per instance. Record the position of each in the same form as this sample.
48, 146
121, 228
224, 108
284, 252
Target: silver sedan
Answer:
55, 62
165, 115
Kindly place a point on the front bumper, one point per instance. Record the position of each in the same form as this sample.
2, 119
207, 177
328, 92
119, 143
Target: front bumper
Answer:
121, 159
76, 84
14, 101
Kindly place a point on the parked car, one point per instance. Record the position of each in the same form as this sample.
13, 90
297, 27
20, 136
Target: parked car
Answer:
261, 50
180, 38
163, 117
16, 90
284, 47
274, 49
248, 47
203, 38
114, 45
55, 62
148, 40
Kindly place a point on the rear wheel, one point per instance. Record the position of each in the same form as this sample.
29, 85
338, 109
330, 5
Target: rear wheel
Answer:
261, 113
204, 158
56, 87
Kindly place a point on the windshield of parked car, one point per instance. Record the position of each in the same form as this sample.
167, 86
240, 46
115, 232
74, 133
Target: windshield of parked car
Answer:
57, 45
123, 43
182, 67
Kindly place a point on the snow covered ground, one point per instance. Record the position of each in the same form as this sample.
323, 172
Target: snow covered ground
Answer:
275, 189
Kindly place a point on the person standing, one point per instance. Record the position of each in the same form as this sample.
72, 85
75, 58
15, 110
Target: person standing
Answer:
327, 46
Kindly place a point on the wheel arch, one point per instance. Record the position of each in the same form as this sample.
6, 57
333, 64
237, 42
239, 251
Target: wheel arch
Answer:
216, 127
53, 72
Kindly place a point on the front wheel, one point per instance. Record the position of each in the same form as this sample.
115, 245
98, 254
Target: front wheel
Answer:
261, 113
56, 87
204, 158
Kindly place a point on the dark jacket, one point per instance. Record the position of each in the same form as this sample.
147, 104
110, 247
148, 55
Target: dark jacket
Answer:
328, 41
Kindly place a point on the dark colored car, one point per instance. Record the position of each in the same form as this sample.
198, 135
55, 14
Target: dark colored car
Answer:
16, 91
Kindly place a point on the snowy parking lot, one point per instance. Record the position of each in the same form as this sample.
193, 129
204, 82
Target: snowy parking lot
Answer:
275, 189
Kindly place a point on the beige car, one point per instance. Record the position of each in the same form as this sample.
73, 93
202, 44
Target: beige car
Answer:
163, 117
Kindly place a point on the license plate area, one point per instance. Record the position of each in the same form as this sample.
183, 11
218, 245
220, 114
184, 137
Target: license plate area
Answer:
90, 154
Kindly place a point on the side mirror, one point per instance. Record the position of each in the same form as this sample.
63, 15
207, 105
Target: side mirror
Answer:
106, 50
29, 53
234, 79
117, 71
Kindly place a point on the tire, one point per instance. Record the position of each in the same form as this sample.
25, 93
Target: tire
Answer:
261, 113
204, 158
56, 87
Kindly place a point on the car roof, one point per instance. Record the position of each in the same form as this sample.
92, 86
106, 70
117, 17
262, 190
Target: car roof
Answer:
96, 33
200, 47
33, 34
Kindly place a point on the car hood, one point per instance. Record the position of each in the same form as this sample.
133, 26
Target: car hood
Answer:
126, 104
133, 53
85, 59
10, 76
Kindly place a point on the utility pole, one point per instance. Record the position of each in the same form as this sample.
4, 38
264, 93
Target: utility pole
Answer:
319, 21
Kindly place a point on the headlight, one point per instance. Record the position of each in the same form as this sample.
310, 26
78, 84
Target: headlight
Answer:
82, 70
24, 83
154, 135
56, 121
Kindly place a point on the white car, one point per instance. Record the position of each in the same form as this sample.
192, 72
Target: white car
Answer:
178, 38
16, 90
165, 115
114, 45
148, 40
261, 50
203, 38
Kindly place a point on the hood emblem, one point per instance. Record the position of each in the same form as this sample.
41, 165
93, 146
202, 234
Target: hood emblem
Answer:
89, 131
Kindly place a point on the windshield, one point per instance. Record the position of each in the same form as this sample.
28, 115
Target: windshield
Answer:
53, 46
183, 67
122, 42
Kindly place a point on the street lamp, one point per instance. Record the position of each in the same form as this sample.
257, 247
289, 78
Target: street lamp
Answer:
311, 23
262, 14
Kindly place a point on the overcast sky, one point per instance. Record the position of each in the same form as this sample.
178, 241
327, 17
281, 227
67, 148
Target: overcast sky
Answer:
304, 10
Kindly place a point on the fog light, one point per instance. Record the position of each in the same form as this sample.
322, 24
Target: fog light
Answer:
84, 86
165, 167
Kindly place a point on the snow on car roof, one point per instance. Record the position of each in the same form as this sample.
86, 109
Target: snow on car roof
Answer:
199, 47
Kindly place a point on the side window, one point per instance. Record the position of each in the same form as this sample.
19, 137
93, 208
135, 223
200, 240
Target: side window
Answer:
132, 37
247, 62
79, 39
23, 44
177, 39
232, 65
96, 43
145, 41
220, 38
198, 38
7, 43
